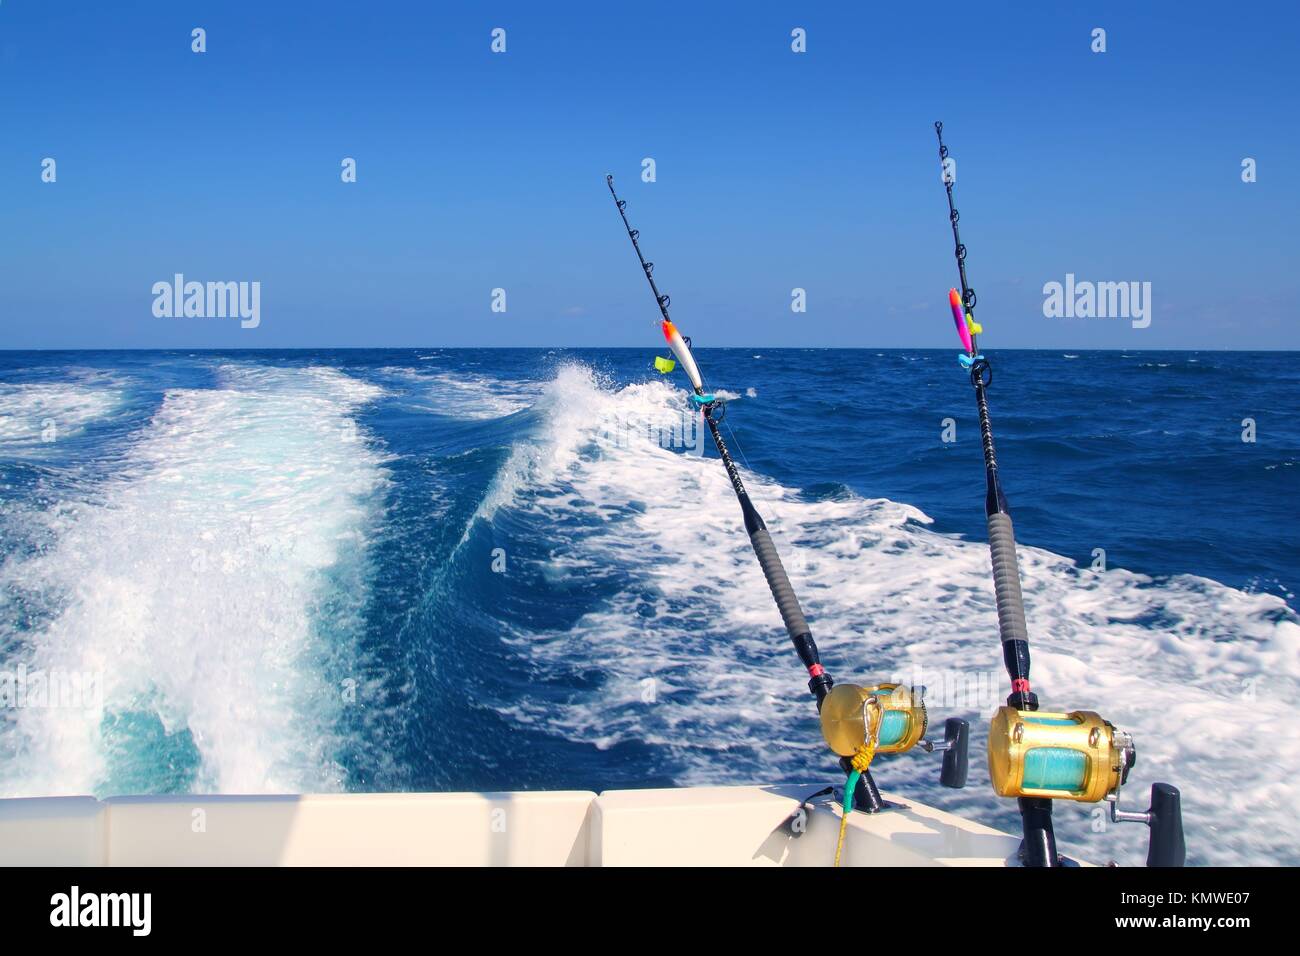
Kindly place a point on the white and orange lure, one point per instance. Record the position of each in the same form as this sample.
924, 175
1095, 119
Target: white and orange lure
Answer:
683, 353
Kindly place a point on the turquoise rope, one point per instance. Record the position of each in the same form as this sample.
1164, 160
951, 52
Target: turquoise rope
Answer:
849, 786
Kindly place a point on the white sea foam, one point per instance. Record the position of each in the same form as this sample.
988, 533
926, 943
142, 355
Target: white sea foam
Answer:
215, 586
563, 428
1204, 675
35, 416
463, 394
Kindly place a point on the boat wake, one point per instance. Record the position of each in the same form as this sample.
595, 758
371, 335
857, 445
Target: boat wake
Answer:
211, 592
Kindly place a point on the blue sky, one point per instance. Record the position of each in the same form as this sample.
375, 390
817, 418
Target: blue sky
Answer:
775, 170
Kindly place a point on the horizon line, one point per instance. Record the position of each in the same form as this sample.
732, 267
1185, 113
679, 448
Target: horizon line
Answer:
540, 348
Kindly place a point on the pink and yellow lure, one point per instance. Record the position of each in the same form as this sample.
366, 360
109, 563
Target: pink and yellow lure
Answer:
966, 328
959, 317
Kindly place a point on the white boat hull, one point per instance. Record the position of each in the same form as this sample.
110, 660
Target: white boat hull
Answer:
689, 826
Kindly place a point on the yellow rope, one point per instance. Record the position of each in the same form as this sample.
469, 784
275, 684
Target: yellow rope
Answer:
844, 826
860, 761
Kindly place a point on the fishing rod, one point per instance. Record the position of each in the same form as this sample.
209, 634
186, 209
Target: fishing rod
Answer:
710, 406
1035, 756
857, 722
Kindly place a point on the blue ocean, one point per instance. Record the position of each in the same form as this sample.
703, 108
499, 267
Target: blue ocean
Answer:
516, 569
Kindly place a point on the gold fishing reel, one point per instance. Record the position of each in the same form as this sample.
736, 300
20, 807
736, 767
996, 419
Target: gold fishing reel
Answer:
888, 718
891, 715
1080, 756
1074, 756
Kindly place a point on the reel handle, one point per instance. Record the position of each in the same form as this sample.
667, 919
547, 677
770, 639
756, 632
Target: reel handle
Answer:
956, 753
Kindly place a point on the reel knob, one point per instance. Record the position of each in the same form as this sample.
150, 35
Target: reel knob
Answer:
956, 753
1165, 818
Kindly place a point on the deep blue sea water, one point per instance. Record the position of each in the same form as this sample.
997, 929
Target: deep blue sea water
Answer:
504, 569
